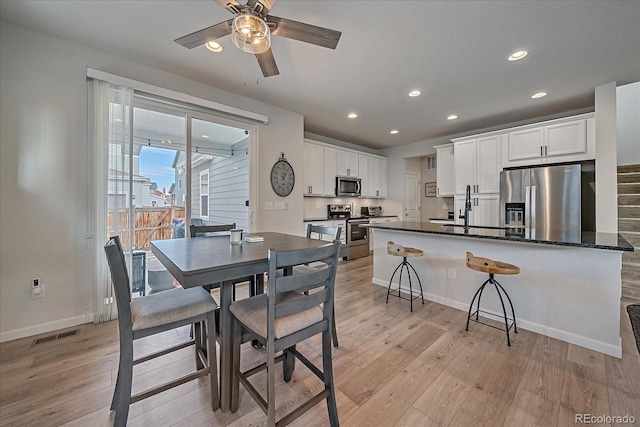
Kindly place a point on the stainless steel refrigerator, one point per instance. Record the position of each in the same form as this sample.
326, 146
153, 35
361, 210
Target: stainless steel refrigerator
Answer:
543, 200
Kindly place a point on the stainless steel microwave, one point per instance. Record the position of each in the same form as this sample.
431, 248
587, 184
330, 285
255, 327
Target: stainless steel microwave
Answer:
347, 186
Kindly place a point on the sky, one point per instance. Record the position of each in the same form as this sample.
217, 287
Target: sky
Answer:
155, 164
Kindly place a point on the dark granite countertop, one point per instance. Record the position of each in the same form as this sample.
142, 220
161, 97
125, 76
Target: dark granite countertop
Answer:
342, 219
610, 241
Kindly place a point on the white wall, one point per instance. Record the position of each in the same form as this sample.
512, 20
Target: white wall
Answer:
43, 152
628, 109
606, 159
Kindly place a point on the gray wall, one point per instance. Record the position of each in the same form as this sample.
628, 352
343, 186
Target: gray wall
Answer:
44, 194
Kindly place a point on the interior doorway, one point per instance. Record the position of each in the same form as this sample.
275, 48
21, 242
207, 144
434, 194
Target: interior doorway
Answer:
412, 197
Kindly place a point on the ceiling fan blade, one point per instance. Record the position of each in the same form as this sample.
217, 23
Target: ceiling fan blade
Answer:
304, 32
198, 38
267, 63
264, 8
231, 5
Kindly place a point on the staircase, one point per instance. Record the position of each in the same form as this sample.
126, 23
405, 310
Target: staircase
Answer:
629, 227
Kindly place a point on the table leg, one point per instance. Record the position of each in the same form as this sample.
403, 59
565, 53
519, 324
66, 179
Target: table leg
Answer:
226, 345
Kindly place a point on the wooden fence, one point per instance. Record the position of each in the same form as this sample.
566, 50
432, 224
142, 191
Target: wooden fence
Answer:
150, 223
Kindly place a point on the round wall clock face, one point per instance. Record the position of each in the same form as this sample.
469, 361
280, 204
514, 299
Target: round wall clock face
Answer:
282, 178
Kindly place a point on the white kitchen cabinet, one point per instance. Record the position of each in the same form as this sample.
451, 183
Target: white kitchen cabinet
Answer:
323, 162
330, 172
347, 163
477, 163
485, 209
444, 171
377, 177
569, 139
365, 180
314, 170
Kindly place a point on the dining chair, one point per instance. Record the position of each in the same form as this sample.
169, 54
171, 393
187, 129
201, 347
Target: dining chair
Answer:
318, 232
283, 317
153, 314
203, 230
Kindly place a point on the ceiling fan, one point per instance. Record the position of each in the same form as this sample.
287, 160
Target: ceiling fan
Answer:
251, 30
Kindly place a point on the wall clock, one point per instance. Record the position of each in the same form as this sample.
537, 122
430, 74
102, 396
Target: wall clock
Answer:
282, 177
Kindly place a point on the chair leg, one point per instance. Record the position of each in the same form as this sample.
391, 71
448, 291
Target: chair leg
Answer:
288, 364
213, 360
513, 313
114, 400
236, 338
327, 370
419, 282
334, 331
391, 280
271, 384
197, 332
125, 376
471, 305
252, 286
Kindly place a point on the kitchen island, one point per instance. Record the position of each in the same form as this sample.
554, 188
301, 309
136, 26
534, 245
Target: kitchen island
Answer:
569, 285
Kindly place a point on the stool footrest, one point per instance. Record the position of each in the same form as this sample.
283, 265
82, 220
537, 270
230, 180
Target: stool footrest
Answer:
417, 295
509, 319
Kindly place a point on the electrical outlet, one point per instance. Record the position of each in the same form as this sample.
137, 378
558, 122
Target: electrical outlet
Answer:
37, 288
451, 273
268, 206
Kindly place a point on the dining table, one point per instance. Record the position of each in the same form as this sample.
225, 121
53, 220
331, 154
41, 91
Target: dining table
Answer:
201, 261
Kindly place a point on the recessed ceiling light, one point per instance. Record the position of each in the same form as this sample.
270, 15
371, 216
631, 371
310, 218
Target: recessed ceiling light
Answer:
539, 95
118, 120
415, 93
214, 46
518, 55
393, 132
352, 115
452, 117
204, 136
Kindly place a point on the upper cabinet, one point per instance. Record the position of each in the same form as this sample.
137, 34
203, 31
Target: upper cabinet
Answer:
347, 163
324, 162
477, 164
569, 139
320, 170
444, 171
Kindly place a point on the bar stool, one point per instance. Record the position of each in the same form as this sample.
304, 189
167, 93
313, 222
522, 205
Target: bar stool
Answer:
399, 250
492, 267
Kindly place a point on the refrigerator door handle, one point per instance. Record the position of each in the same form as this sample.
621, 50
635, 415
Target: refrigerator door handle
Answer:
527, 206
533, 206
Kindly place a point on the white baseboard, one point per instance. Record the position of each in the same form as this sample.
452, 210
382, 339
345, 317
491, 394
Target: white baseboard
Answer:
602, 347
43, 328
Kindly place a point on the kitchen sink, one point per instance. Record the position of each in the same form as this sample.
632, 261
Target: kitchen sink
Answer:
488, 227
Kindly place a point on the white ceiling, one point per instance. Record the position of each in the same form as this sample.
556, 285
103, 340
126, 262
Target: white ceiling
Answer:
455, 52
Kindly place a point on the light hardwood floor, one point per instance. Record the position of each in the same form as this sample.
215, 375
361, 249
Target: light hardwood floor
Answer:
393, 368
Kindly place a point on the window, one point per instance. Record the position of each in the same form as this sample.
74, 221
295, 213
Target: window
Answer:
204, 195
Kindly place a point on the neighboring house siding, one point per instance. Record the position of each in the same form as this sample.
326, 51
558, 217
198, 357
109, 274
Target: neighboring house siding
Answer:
228, 187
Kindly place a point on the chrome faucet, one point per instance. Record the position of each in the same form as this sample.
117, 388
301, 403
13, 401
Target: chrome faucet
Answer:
467, 208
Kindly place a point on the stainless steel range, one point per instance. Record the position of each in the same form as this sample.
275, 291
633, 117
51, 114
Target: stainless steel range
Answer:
357, 238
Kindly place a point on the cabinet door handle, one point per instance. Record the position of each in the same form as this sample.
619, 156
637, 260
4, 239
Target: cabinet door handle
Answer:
438, 191
310, 188
541, 150
349, 170
545, 150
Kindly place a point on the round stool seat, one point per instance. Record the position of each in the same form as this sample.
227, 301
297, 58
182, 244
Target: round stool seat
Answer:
399, 250
490, 266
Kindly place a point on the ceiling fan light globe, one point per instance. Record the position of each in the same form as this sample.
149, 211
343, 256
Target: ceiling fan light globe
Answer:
250, 34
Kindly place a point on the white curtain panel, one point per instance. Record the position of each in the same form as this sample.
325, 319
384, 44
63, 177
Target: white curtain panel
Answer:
110, 148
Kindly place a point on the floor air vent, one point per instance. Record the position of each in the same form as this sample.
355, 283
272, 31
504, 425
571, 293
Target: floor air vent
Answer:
56, 337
